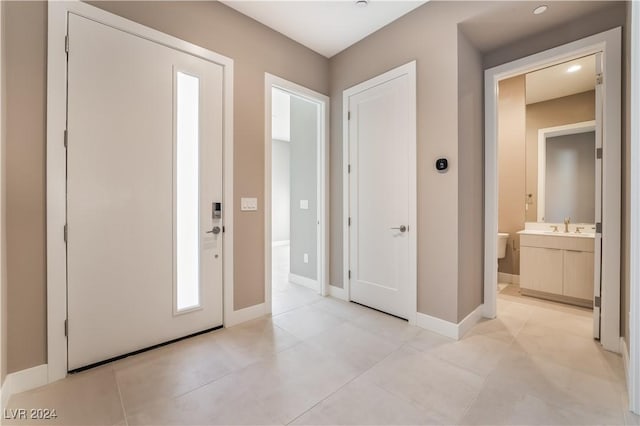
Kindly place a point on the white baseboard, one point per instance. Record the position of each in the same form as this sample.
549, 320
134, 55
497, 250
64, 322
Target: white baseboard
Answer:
246, 314
280, 243
625, 361
338, 293
470, 320
304, 281
437, 325
450, 329
503, 277
23, 380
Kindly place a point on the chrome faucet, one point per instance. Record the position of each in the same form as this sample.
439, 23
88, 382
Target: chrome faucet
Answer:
567, 221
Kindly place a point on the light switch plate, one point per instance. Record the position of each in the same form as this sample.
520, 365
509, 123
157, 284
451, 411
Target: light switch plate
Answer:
248, 204
306, 258
304, 204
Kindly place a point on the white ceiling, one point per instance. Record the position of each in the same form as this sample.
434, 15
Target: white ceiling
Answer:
555, 82
327, 27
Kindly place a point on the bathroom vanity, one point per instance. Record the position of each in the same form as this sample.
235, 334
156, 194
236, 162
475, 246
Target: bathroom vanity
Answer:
557, 266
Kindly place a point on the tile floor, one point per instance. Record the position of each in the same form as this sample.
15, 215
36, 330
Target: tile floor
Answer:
321, 361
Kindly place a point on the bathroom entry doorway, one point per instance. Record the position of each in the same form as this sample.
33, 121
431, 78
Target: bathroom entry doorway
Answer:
552, 178
296, 241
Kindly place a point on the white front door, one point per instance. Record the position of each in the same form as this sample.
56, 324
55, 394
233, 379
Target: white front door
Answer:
144, 165
381, 137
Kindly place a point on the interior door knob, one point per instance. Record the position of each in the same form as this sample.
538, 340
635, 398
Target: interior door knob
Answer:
401, 228
215, 230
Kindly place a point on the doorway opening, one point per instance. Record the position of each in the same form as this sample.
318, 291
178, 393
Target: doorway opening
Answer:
547, 146
552, 184
296, 204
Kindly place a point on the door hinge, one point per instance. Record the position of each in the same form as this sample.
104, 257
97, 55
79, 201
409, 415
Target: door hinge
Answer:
596, 302
349, 274
66, 328
66, 138
599, 228
598, 153
349, 115
223, 229
65, 232
349, 221
349, 168
599, 78
66, 44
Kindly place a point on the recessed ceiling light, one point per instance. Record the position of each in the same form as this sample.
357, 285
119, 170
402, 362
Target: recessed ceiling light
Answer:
362, 3
540, 9
574, 68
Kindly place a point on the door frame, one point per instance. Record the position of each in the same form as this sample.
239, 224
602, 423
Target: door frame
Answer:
3, 223
633, 334
550, 132
56, 164
609, 44
322, 179
344, 293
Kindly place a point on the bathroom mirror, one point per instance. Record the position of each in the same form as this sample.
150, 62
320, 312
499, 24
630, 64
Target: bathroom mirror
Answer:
560, 143
566, 173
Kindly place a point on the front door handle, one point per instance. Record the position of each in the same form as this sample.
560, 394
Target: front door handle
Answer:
215, 230
402, 228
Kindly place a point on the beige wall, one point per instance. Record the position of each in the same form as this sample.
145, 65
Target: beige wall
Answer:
429, 35
511, 167
26, 267
3, 227
255, 50
556, 112
470, 178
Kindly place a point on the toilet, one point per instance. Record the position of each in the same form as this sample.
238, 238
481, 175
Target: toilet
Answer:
502, 244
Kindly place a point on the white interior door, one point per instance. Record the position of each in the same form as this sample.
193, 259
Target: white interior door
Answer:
144, 165
382, 194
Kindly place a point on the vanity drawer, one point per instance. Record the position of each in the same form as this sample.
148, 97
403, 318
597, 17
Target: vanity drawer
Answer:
557, 242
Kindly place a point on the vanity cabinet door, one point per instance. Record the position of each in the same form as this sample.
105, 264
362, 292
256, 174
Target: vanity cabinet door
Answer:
578, 274
541, 269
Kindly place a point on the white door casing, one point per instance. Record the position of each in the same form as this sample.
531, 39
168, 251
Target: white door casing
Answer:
633, 334
59, 13
597, 248
608, 44
123, 197
271, 82
380, 223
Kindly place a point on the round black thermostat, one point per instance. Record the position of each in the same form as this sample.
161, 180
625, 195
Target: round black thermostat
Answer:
442, 164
